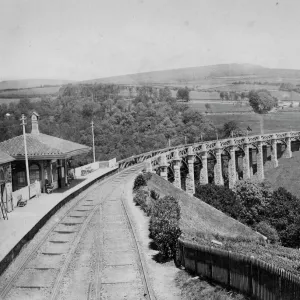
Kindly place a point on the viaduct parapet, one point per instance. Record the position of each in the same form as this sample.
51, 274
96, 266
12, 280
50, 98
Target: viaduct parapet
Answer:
220, 161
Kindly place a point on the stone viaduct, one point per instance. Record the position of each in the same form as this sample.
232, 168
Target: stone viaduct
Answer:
220, 161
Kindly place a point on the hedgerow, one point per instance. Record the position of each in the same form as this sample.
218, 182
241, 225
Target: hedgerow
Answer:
164, 217
164, 225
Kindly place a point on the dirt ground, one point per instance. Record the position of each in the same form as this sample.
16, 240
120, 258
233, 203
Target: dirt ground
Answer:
162, 276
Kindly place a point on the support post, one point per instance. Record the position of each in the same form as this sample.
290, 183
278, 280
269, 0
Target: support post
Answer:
246, 160
232, 166
288, 151
204, 169
177, 176
164, 167
218, 166
260, 161
190, 182
274, 159
149, 166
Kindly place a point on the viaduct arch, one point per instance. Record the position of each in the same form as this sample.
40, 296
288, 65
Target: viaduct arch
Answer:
220, 161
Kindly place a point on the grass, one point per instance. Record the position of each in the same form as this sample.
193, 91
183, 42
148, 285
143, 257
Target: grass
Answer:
201, 223
277, 122
286, 175
219, 107
194, 289
197, 216
30, 91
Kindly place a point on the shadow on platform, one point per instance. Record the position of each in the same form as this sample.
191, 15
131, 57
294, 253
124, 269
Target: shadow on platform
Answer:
73, 183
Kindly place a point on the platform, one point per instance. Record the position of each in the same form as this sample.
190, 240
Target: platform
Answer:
24, 222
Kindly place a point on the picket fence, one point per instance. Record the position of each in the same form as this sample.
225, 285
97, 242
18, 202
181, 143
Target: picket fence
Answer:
251, 276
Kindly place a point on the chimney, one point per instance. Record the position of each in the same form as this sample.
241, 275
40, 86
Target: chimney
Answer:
35, 123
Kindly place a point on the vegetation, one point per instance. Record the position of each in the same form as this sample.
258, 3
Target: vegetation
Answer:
122, 127
164, 225
193, 288
274, 214
262, 101
139, 182
164, 217
183, 94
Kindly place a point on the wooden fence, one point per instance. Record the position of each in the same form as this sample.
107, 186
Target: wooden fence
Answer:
246, 274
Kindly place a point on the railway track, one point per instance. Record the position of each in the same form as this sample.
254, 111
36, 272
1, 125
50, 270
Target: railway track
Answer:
98, 222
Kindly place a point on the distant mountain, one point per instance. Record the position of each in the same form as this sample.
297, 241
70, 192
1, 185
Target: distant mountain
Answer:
195, 74
29, 83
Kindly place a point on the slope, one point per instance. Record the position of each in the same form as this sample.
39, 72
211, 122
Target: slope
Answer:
199, 217
286, 175
193, 74
30, 83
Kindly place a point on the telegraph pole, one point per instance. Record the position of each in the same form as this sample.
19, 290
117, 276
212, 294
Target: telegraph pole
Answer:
169, 143
23, 119
185, 140
93, 141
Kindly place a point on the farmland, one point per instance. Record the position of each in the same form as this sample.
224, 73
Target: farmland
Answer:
275, 122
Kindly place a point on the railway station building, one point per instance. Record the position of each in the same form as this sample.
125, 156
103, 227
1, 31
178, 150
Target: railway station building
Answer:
48, 158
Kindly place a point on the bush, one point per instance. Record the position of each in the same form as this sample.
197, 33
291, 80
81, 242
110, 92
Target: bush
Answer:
139, 181
268, 231
147, 176
282, 213
154, 195
220, 197
164, 225
253, 198
140, 199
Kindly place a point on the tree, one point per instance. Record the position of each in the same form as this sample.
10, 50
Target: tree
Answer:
253, 198
230, 128
220, 197
208, 107
282, 213
262, 101
222, 95
183, 94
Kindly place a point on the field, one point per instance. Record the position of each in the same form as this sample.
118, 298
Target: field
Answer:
30, 91
219, 107
277, 122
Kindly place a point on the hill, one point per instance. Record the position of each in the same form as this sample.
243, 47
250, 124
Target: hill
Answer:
30, 83
217, 73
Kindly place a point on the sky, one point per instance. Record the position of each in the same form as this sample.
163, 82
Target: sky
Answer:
88, 39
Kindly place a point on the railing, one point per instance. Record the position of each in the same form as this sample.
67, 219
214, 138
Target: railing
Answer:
210, 145
249, 275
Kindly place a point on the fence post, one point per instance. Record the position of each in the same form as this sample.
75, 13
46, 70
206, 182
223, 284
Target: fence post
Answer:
210, 264
250, 276
228, 275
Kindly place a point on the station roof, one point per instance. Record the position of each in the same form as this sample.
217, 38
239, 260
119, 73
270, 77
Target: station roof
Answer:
42, 146
5, 158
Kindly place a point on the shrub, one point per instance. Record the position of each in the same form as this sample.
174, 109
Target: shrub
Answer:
147, 176
253, 198
220, 197
140, 199
154, 195
283, 212
268, 231
139, 181
164, 225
